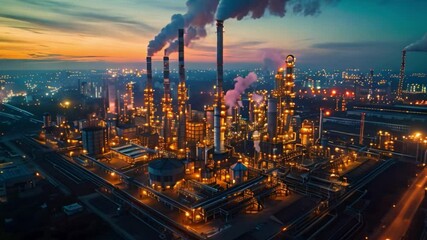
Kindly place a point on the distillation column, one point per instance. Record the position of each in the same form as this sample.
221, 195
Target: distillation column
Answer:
166, 103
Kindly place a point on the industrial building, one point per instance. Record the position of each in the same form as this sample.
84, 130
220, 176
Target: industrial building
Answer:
95, 140
205, 168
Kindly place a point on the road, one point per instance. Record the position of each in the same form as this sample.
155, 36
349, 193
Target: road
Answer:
398, 219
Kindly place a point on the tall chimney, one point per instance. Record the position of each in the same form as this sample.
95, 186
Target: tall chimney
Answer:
401, 77
220, 58
181, 55
182, 93
165, 66
149, 74
166, 82
219, 111
148, 95
166, 102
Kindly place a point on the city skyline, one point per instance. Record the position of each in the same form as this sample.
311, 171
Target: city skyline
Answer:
61, 35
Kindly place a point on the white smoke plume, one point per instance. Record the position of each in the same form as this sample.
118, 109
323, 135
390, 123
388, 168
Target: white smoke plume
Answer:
199, 14
192, 33
241, 84
256, 141
418, 46
257, 98
272, 59
240, 103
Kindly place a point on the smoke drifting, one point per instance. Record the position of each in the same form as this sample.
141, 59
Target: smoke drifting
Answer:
257, 8
193, 33
257, 98
199, 14
272, 59
418, 46
232, 96
256, 139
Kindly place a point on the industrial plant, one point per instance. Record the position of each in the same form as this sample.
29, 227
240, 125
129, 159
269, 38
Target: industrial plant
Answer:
166, 153
195, 174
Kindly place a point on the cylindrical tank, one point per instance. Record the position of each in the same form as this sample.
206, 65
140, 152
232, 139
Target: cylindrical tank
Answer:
95, 140
166, 172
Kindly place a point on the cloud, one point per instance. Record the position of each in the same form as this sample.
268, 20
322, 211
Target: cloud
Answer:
61, 57
71, 18
10, 40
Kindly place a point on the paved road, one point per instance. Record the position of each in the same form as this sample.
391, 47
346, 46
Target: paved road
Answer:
399, 218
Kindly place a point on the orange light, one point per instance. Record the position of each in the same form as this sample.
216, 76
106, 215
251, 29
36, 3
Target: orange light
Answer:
334, 92
327, 113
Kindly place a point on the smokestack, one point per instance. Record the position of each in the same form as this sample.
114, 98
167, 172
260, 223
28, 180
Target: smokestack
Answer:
165, 66
149, 74
182, 93
402, 76
219, 112
362, 128
166, 81
148, 94
166, 101
220, 57
181, 55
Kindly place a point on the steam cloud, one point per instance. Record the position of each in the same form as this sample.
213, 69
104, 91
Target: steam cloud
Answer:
257, 98
257, 141
272, 59
200, 13
418, 46
192, 34
232, 96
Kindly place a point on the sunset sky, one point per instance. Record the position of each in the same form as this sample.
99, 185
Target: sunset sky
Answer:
42, 34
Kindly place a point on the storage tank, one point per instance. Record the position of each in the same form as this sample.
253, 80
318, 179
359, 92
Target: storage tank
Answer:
166, 172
